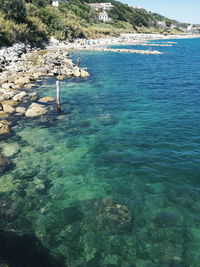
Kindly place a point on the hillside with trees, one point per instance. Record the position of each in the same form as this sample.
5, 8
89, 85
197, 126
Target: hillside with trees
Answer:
34, 21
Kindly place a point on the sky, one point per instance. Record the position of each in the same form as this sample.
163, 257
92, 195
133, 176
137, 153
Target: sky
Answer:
181, 10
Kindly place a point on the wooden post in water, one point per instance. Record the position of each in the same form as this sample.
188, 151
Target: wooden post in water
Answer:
58, 95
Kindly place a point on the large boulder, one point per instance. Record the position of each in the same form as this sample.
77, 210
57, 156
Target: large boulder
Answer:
5, 122
6, 91
5, 97
35, 76
10, 102
76, 72
84, 73
19, 96
8, 108
7, 85
20, 110
35, 110
3, 114
23, 80
4, 129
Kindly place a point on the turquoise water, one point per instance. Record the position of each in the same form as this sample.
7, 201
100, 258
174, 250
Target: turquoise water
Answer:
113, 180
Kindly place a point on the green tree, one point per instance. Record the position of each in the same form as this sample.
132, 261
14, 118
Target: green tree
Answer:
39, 3
168, 23
14, 10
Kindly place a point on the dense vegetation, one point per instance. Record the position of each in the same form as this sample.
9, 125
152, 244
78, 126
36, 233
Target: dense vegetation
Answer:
36, 20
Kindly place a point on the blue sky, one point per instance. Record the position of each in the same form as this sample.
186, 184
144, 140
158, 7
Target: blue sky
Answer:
181, 10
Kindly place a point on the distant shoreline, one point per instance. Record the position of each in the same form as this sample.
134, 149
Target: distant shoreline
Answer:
123, 39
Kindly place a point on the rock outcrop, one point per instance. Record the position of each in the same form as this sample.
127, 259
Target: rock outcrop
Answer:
20, 66
35, 110
22, 69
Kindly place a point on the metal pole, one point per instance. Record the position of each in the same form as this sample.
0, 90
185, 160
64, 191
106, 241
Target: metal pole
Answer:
58, 95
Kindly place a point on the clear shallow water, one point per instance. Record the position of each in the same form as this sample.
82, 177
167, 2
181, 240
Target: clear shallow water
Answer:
114, 179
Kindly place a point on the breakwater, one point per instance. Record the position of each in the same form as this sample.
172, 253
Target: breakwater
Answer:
121, 50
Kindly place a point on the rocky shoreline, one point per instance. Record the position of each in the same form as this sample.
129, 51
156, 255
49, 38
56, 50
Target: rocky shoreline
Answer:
20, 67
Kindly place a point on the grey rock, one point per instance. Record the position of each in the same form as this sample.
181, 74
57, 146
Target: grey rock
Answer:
7, 85
10, 150
19, 96
20, 110
36, 110
8, 108
4, 129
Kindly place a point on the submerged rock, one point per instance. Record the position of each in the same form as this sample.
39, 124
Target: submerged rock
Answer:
4, 163
24, 250
166, 219
10, 150
35, 110
109, 216
107, 119
46, 99
39, 185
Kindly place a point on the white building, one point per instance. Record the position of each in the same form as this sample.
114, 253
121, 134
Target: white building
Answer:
173, 26
161, 24
55, 3
189, 28
193, 29
136, 7
103, 16
103, 6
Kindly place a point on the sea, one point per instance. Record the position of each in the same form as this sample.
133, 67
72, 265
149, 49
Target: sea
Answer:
114, 178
